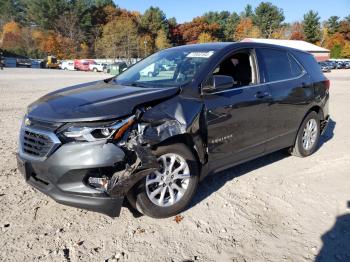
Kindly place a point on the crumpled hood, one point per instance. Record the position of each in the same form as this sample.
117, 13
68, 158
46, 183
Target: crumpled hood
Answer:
94, 101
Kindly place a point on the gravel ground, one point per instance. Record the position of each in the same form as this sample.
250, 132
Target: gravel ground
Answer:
275, 208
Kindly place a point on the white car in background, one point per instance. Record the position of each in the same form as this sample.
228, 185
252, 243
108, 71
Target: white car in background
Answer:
150, 71
96, 67
67, 65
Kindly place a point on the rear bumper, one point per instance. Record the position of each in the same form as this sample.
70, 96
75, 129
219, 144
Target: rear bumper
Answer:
63, 175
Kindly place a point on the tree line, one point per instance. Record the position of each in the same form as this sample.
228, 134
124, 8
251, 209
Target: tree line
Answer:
99, 28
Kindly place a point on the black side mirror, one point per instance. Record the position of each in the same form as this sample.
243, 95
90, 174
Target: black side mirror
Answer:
218, 83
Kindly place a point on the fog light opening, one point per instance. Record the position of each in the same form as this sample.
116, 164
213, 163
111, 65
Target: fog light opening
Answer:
100, 183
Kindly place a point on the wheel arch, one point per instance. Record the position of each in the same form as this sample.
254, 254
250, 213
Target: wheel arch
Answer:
315, 108
189, 141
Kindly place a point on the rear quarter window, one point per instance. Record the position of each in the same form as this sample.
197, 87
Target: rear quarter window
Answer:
279, 65
311, 66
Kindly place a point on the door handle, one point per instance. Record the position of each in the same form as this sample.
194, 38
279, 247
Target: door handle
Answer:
261, 94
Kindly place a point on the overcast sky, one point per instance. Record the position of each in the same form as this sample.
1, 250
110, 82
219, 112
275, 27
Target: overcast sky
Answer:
185, 10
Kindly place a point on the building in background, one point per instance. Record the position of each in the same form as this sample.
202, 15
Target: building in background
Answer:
320, 53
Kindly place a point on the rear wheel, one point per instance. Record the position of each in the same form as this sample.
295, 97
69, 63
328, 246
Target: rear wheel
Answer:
167, 191
308, 136
95, 70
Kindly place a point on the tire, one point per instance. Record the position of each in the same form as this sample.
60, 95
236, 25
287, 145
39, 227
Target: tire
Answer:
95, 70
300, 147
171, 205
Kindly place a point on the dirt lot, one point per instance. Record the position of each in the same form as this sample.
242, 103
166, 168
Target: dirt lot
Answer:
275, 208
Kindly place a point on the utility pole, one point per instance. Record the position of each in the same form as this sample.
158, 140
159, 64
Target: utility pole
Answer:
145, 43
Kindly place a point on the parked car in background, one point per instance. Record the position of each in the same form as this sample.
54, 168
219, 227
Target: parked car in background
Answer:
116, 68
23, 62
331, 64
151, 70
340, 65
151, 138
325, 67
83, 64
96, 67
67, 65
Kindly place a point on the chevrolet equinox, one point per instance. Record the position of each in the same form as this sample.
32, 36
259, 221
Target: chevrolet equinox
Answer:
150, 138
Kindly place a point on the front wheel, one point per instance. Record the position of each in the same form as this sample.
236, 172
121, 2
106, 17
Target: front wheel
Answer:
167, 191
308, 136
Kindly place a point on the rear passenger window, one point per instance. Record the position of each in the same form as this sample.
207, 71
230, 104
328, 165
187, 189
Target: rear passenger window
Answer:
279, 65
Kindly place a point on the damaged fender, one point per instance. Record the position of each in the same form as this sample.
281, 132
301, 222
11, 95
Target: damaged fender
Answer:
171, 118
176, 116
144, 163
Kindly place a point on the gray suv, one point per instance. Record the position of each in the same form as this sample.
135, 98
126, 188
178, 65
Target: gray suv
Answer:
152, 137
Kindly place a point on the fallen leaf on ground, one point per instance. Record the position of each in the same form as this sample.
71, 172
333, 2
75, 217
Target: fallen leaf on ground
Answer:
178, 218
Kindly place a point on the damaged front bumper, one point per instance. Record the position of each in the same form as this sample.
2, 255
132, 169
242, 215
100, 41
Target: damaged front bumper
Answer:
64, 175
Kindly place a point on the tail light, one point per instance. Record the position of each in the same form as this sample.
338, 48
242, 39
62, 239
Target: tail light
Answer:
327, 83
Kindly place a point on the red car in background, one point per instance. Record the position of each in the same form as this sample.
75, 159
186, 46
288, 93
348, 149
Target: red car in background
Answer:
83, 64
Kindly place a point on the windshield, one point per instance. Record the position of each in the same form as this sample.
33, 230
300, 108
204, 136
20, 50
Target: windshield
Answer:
166, 68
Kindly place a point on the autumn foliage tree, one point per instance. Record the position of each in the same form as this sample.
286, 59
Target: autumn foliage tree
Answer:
191, 31
119, 39
99, 28
11, 37
162, 41
296, 31
245, 29
206, 38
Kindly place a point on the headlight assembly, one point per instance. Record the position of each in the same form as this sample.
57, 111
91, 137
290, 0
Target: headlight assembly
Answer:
88, 133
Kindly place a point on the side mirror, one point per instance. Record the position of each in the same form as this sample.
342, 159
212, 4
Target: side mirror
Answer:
218, 83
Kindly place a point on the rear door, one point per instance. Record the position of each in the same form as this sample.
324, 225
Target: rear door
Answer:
291, 92
237, 122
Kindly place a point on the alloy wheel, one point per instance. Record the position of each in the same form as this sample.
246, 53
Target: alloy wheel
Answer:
310, 134
168, 184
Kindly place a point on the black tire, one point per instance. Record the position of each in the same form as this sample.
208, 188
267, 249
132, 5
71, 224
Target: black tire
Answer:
140, 200
298, 148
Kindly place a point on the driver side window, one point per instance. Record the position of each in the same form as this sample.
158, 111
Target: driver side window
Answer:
240, 66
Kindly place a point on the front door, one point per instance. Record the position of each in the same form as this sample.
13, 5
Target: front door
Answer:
237, 117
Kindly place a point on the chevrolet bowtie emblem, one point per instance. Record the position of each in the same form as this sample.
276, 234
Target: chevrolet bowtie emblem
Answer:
27, 121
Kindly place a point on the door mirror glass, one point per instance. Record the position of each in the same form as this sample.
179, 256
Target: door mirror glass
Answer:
218, 83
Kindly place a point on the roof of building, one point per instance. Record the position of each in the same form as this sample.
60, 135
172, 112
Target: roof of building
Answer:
297, 44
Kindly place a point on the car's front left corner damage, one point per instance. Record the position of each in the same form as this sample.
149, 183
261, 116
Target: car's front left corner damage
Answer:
152, 126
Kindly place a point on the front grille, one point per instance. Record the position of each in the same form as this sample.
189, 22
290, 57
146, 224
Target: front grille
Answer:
37, 143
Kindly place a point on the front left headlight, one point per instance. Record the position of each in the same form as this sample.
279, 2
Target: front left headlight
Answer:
91, 133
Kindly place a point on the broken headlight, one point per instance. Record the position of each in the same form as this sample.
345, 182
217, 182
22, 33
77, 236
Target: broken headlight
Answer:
92, 133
